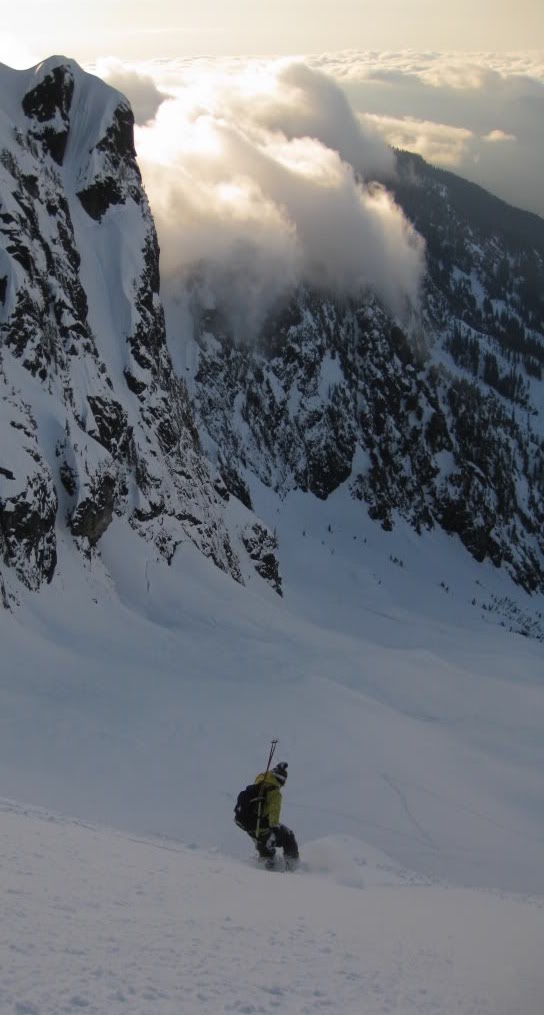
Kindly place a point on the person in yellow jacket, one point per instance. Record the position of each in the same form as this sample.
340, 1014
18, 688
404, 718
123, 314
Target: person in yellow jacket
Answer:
269, 834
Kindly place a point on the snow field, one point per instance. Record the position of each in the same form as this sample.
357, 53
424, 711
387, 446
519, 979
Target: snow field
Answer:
144, 696
94, 920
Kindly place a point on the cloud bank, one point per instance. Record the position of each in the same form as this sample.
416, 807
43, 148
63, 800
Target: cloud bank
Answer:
479, 114
262, 175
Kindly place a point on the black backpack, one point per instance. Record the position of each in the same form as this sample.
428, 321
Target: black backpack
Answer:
246, 811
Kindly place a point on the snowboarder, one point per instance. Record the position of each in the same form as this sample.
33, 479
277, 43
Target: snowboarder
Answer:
261, 817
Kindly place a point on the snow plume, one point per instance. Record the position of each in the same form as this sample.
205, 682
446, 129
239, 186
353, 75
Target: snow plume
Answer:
262, 175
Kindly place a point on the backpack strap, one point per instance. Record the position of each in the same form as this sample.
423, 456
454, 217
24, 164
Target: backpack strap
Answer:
264, 790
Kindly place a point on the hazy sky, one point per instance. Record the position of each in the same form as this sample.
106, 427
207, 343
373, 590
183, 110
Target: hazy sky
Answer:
135, 29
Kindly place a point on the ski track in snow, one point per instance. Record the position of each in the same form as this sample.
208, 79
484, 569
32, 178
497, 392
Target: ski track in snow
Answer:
95, 920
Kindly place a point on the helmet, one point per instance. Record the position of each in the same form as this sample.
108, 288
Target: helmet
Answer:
280, 771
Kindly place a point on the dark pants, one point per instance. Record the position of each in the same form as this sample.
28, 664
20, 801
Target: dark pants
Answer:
283, 838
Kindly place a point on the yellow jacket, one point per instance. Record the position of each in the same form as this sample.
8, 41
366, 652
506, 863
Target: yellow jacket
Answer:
270, 810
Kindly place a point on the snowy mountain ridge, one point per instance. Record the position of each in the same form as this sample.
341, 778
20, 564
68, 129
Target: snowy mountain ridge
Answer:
95, 423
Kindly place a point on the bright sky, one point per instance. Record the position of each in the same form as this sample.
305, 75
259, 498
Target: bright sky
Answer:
132, 29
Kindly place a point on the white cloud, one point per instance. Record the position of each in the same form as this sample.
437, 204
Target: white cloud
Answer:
497, 136
438, 143
145, 97
432, 67
257, 172
256, 166
310, 103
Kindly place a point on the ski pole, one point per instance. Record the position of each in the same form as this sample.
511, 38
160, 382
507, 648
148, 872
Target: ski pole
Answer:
273, 745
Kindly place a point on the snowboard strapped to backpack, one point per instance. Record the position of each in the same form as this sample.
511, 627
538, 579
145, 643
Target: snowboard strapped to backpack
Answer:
248, 804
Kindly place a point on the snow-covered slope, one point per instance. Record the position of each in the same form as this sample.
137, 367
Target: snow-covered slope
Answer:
98, 921
411, 719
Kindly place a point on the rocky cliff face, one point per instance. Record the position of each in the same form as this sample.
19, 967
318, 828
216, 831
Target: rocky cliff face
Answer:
94, 423
439, 421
